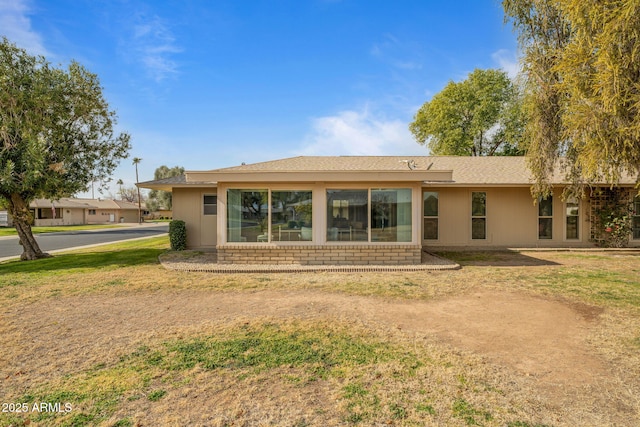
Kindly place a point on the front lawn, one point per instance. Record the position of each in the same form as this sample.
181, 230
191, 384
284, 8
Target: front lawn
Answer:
125, 342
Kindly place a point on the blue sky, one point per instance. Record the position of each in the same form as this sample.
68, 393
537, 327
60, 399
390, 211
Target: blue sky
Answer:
205, 84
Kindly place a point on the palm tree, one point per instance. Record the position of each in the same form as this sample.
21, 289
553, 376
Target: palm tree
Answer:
120, 184
137, 160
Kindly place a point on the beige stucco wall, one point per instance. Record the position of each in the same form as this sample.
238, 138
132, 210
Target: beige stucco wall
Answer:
188, 205
70, 216
512, 219
129, 215
103, 216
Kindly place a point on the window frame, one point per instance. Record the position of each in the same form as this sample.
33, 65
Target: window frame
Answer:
435, 217
576, 202
547, 218
305, 223
635, 218
270, 231
482, 217
205, 205
369, 190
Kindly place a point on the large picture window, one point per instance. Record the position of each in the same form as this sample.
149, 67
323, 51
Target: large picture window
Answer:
247, 212
291, 216
376, 215
391, 215
478, 215
347, 217
430, 212
251, 218
635, 218
545, 218
572, 219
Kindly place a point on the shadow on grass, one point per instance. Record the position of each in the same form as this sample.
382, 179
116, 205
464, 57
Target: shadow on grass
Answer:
85, 261
494, 258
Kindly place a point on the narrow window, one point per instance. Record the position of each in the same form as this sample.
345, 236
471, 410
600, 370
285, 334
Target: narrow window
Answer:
430, 212
210, 205
635, 217
572, 219
478, 215
291, 215
545, 218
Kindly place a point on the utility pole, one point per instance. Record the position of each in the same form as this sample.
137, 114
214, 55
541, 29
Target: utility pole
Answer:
137, 160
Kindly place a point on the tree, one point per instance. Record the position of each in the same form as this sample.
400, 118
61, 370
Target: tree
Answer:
56, 135
120, 183
136, 161
131, 195
582, 102
162, 199
479, 116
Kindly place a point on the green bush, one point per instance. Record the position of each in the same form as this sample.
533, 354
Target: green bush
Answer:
178, 235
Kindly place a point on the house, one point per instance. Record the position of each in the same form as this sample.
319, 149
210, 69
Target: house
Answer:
380, 209
71, 211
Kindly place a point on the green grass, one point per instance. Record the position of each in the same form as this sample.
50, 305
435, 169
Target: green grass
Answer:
356, 364
369, 378
10, 231
113, 256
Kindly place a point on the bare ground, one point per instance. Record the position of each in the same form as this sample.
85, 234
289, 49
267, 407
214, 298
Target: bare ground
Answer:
543, 341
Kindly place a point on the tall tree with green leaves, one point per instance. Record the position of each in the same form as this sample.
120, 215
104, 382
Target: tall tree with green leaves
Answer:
56, 135
582, 97
479, 116
158, 199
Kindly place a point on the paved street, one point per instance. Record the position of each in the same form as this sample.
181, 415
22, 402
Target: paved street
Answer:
52, 241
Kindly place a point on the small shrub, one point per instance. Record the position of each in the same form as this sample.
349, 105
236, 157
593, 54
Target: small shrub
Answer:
178, 235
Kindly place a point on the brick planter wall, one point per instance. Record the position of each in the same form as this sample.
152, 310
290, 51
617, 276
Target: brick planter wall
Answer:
320, 255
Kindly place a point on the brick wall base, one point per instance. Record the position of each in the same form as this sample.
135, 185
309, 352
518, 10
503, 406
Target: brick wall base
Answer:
320, 255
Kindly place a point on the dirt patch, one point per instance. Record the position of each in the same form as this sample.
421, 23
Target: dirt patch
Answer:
537, 337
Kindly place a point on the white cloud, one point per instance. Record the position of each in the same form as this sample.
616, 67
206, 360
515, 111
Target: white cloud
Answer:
152, 44
360, 133
15, 25
508, 61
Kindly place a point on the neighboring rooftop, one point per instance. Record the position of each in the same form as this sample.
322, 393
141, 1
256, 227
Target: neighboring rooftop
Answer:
69, 202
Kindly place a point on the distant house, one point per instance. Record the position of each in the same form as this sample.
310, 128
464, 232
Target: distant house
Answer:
71, 211
4, 219
380, 209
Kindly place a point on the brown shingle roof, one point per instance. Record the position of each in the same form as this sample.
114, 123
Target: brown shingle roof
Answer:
492, 170
466, 170
498, 170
